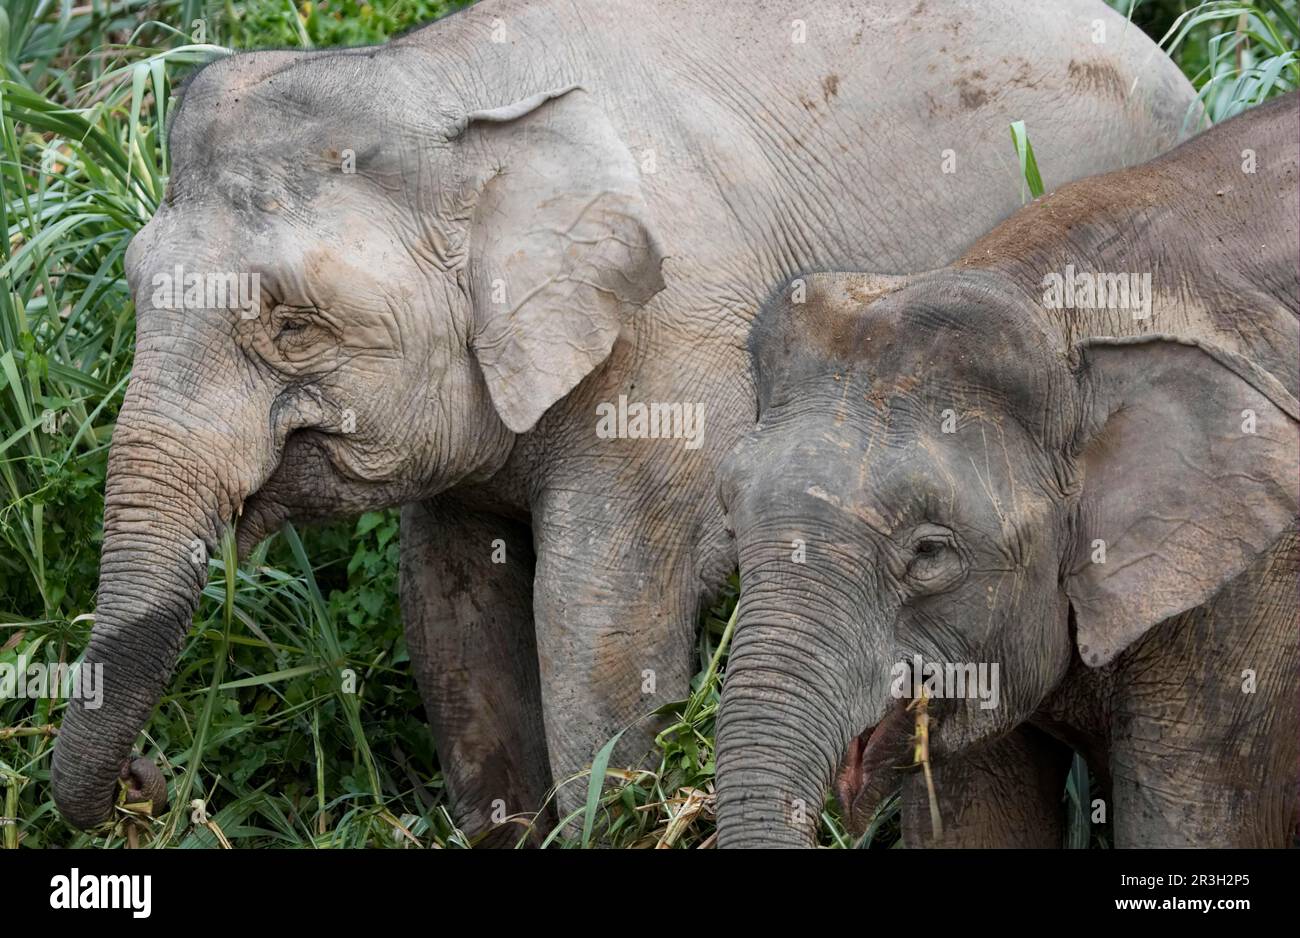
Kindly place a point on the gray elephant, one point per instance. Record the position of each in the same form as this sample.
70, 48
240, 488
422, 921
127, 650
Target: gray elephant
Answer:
1072, 457
483, 250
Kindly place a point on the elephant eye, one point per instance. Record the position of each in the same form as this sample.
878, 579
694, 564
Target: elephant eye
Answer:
928, 558
935, 563
293, 327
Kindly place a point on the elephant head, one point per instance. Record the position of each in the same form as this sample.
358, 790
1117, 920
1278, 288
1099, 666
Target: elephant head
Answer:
357, 292
933, 483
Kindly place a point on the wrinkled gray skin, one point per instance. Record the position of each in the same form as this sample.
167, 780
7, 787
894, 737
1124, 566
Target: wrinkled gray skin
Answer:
1173, 665
594, 205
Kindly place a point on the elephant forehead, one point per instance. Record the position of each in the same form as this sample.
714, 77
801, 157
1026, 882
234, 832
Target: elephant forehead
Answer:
889, 469
948, 374
262, 132
252, 170
957, 323
882, 497
845, 459
912, 348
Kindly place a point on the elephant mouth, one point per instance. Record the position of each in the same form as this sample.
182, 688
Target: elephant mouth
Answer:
874, 765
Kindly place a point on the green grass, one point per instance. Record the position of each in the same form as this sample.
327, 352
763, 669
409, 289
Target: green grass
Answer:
255, 725
1236, 54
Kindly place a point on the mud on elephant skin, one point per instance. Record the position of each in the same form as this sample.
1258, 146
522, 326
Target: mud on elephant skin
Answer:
465, 246
949, 468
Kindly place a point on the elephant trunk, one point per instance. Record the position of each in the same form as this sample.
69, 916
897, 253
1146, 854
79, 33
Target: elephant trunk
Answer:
176, 477
782, 728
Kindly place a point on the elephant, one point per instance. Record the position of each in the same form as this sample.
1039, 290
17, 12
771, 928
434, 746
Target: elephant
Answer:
473, 241
1066, 462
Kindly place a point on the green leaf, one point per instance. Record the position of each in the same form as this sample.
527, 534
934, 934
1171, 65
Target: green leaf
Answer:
1028, 165
596, 783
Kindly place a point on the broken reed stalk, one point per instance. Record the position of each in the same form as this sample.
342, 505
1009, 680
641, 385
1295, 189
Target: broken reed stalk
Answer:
922, 756
12, 732
9, 823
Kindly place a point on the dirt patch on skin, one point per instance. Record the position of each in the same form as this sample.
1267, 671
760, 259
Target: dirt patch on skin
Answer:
831, 321
972, 96
1096, 78
830, 329
868, 291
1024, 74
822, 325
1047, 222
830, 87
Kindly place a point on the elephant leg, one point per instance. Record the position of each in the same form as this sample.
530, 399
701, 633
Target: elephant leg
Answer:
466, 582
1204, 724
1004, 794
616, 602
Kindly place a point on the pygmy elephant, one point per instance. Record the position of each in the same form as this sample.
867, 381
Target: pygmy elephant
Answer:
1067, 462
482, 250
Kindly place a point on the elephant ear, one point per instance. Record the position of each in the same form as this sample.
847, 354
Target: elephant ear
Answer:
561, 249
1189, 458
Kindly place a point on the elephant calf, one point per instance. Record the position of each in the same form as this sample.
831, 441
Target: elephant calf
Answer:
1066, 463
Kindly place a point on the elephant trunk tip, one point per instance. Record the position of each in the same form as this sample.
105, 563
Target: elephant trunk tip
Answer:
145, 784
89, 808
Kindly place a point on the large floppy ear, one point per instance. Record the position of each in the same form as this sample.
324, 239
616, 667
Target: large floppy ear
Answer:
561, 249
1189, 458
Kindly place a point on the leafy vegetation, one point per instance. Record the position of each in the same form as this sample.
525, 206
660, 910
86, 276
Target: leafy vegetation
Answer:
255, 727
1236, 54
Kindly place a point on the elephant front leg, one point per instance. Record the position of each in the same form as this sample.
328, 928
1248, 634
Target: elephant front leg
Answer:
466, 582
1005, 794
616, 600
